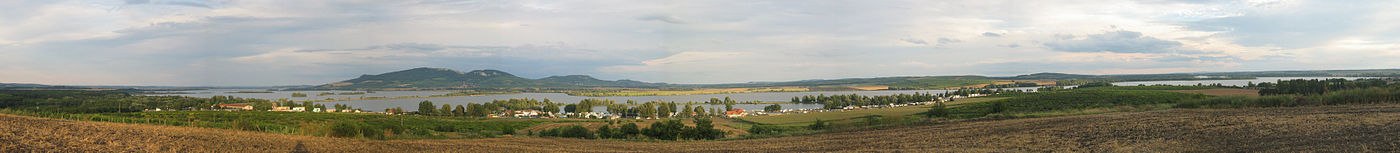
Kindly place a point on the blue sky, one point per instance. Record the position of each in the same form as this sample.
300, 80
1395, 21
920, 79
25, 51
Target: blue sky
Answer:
238, 42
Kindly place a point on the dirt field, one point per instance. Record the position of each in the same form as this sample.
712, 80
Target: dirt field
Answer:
1221, 92
1360, 128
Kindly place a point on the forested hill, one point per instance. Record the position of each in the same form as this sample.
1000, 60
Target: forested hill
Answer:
441, 78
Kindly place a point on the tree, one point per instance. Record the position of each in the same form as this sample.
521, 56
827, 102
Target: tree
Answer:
460, 111
704, 129
666, 130
773, 108
688, 111
426, 108
446, 110
699, 111
606, 132
629, 129
572, 108
938, 110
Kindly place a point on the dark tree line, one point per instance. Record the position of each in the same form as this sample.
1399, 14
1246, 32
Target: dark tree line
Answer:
78, 101
839, 101
1314, 86
663, 130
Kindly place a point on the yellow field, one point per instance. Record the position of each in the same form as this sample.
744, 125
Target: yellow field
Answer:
802, 119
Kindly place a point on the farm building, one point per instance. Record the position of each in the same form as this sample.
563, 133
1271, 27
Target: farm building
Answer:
235, 107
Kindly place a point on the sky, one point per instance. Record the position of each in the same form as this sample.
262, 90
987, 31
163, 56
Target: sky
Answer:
311, 42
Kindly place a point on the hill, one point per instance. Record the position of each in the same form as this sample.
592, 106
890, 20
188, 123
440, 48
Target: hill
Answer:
589, 81
1350, 128
442, 78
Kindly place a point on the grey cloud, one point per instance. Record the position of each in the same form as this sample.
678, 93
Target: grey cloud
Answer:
915, 41
1115, 41
662, 18
990, 34
1316, 24
197, 3
947, 40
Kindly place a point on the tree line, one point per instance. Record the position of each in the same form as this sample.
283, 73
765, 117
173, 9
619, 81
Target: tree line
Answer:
840, 101
663, 130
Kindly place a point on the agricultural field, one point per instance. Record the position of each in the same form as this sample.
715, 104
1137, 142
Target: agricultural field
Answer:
1221, 92
314, 124
1344, 128
803, 119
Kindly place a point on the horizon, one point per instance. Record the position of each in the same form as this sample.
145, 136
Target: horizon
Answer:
266, 86
196, 43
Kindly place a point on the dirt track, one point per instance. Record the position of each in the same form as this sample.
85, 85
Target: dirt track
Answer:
1334, 129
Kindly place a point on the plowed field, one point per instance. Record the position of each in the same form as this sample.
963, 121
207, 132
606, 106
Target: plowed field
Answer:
1355, 128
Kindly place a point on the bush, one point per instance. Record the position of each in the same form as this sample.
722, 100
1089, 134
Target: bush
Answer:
997, 107
764, 129
938, 110
629, 129
355, 129
818, 125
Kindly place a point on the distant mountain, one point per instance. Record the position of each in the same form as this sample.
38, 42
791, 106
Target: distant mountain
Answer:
441, 78
589, 81
1051, 76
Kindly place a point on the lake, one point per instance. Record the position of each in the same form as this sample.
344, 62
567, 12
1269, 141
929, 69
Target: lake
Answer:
1225, 82
412, 103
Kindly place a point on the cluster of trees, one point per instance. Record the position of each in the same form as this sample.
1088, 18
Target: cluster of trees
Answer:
1314, 86
1013, 85
773, 108
78, 101
653, 109
839, 101
663, 130
298, 94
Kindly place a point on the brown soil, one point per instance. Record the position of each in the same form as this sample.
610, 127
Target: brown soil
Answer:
1221, 92
1357, 128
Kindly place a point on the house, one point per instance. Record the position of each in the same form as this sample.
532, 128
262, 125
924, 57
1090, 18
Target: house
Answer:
298, 109
316, 110
236, 106
332, 110
735, 113
282, 109
527, 113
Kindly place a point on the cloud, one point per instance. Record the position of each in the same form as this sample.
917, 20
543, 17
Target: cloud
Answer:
915, 41
187, 3
662, 18
990, 34
1114, 41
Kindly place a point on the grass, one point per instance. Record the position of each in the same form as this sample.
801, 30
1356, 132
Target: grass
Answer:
843, 116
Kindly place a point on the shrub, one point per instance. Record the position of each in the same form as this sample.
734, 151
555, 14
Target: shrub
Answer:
764, 129
938, 110
818, 125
